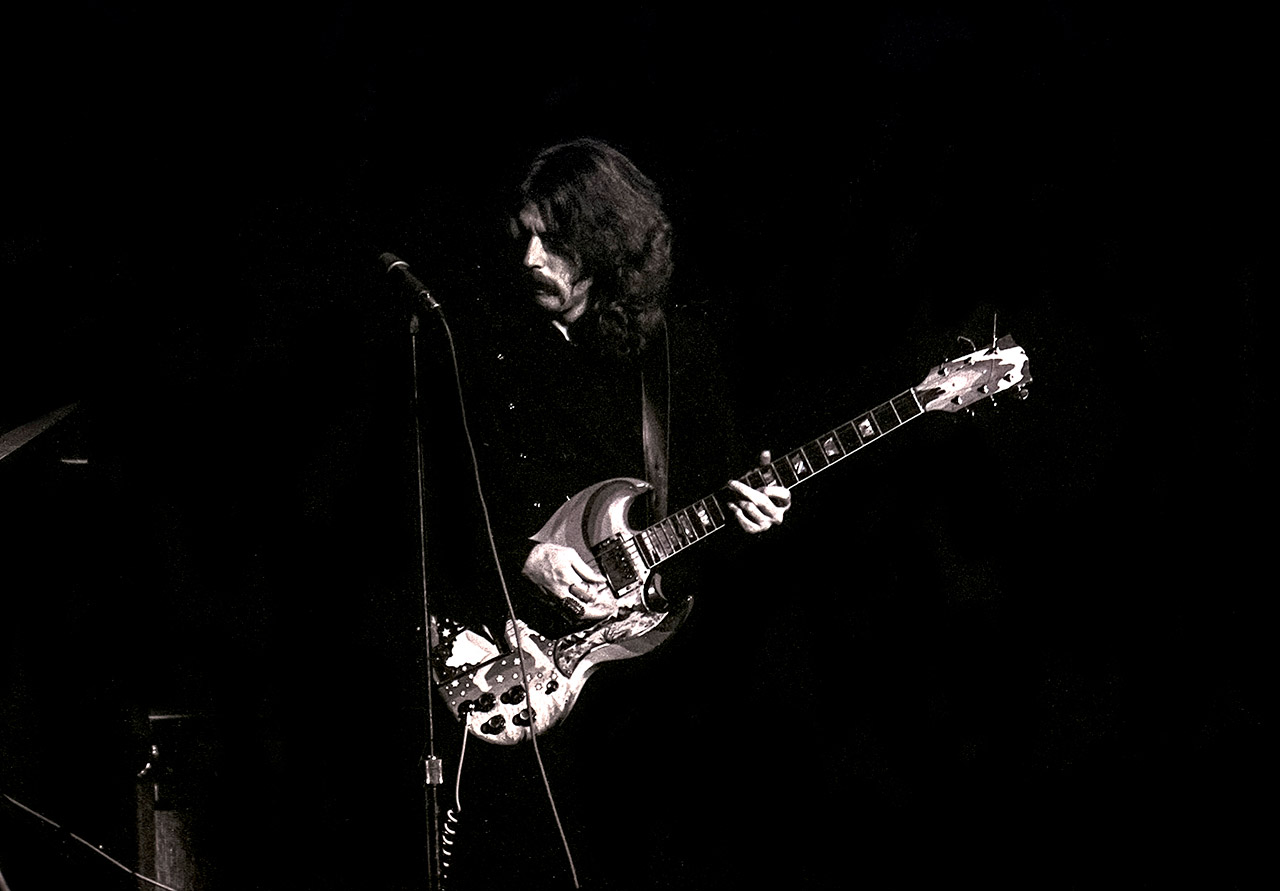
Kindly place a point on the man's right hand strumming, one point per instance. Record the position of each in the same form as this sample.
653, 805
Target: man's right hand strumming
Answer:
566, 579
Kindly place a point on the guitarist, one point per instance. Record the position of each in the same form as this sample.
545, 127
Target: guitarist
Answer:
577, 389
579, 374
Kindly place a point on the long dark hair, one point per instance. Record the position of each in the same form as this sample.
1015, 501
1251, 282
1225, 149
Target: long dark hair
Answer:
605, 216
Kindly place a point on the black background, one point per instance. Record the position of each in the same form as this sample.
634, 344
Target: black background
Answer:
1022, 648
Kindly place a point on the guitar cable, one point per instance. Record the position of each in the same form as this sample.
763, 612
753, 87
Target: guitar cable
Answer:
506, 594
97, 849
452, 814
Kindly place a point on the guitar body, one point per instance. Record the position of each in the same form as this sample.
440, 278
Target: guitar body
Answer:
505, 694
486, 687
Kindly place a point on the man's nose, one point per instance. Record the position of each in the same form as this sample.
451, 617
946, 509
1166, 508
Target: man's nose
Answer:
534, 255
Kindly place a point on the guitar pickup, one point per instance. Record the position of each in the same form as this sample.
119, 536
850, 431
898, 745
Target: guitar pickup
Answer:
615, 563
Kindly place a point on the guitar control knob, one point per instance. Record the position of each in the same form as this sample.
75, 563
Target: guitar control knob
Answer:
522, 719
514, 695
553, 685
486, 702
494, 725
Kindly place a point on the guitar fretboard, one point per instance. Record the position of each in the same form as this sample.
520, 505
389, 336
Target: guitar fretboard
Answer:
688, 525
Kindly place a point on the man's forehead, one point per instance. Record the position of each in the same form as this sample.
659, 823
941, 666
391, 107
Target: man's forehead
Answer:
531, 218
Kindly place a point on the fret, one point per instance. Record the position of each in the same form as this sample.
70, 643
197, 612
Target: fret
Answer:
799, 463
704, 517
885, 417
681, 534
866, 427
848, 436
817, 456
831, 448
717, 513
665, 544
768, 476
786, 475
906, 405
668, 538
645, 547
754, 478
687, 525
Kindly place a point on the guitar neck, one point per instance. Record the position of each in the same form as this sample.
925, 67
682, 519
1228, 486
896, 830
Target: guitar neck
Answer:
691, 524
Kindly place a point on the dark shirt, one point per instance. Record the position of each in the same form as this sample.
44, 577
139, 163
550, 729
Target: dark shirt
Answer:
548, 417
558, 418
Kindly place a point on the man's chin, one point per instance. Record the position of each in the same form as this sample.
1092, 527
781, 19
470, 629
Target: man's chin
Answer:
549, 302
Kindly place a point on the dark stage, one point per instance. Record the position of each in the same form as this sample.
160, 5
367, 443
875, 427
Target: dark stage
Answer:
1022, 648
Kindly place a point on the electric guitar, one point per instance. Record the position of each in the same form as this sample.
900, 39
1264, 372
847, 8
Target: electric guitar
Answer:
503, 698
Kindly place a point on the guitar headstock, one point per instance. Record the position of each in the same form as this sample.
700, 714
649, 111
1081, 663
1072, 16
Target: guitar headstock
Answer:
969, 379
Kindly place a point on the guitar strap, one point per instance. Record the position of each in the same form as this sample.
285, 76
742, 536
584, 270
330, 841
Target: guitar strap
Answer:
655, 452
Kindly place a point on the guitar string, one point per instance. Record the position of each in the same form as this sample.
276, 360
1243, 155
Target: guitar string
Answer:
506, 595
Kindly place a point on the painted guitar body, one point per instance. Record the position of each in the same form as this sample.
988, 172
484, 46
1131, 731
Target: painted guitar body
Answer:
490, 695
531, 682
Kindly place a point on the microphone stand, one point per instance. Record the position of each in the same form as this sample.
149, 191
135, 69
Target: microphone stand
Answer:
433, 766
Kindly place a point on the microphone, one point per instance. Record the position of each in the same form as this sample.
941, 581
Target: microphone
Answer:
395, 264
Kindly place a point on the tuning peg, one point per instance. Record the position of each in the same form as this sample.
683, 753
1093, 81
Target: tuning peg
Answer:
1023, 392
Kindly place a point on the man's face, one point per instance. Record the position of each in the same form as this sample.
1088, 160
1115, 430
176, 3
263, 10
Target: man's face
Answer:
552, 279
